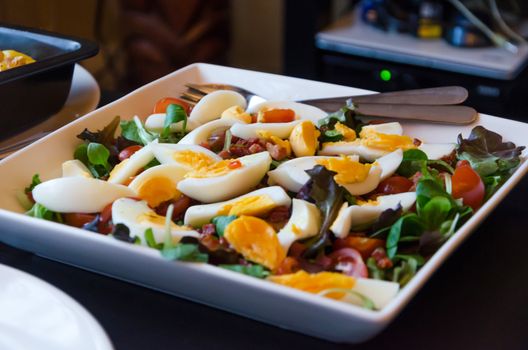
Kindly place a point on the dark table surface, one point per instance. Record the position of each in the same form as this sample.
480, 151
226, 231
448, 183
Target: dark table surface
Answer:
478, 299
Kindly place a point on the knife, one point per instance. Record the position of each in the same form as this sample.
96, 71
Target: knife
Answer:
460, 115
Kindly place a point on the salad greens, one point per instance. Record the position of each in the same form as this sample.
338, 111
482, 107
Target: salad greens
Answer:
254, 270
221, 223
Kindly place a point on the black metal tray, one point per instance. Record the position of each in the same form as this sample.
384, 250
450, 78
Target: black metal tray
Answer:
34, 92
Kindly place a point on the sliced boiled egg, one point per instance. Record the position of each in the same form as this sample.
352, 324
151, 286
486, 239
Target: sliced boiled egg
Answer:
129, 167
78, 194
304, 139
255, 240
437, 151
361, 215
389, 163
302, 111
138, 217
211, 106
378, 291
75, 167
304, 222
225, 179
158, 184
254, 130
375, 141
187, 156
202, 133
156, 122
256, 203
292, 173
237, 113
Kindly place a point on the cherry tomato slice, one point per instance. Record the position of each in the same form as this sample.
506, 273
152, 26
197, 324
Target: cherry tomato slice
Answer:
394, 185
364, 245
162, 104
77, 219
468, 185
350, 261
128, 152
105, 225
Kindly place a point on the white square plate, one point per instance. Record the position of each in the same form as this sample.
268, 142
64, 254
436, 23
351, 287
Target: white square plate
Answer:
244, 295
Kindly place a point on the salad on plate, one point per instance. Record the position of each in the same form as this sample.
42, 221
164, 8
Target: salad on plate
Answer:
325, 203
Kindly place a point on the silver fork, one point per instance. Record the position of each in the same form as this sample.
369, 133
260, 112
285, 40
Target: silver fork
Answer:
437, 105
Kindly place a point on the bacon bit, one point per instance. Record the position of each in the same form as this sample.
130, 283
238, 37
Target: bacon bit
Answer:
288, 265
417, 142
225, 154
235, 164
279, 214
277, 152
254, 117
450, 158
205, 144
208, 229
210, 242
255, 148
381, 258
415, 178
296, 249
181, 204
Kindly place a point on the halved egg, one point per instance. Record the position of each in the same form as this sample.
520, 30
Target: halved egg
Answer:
375, 141
247, 131
78, 194
226, 179
292, 173
156, 122
437, 151
75, 167
256, 240
202, 133
129, 167
362, 215
302, 111
256, 203
158, 184
138, 217
189, 157
211, 106
304, 222
389, 163
378, 291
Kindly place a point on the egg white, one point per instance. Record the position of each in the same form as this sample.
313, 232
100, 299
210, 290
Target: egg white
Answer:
198, 215
302, 111
211, 106
132, 213
304, 222
131, 166
248, 131
156, 122
292, 173
164, 152
230, 185
75, 167
361, 216
378, 291
202, 133
78, 194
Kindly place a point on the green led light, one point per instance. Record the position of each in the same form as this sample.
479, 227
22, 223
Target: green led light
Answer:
385, 75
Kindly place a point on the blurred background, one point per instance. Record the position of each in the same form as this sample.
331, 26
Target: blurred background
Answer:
381, 45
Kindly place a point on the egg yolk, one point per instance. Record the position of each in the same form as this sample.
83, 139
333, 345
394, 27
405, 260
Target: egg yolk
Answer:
219, 168
157, 190
256, 240
296, 230
348, 171
368, 202
316, 283
252, 205
151, 218
386, 142
348, 134
194, 160
304, 139
11, 59
236, 112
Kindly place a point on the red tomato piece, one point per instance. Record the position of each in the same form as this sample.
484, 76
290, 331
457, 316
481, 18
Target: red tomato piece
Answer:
162, 104
364, 245
77, 219
468, 185
128, 152
394, 185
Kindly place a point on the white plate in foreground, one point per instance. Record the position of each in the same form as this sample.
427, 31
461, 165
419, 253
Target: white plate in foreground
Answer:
36, 315
247, 296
